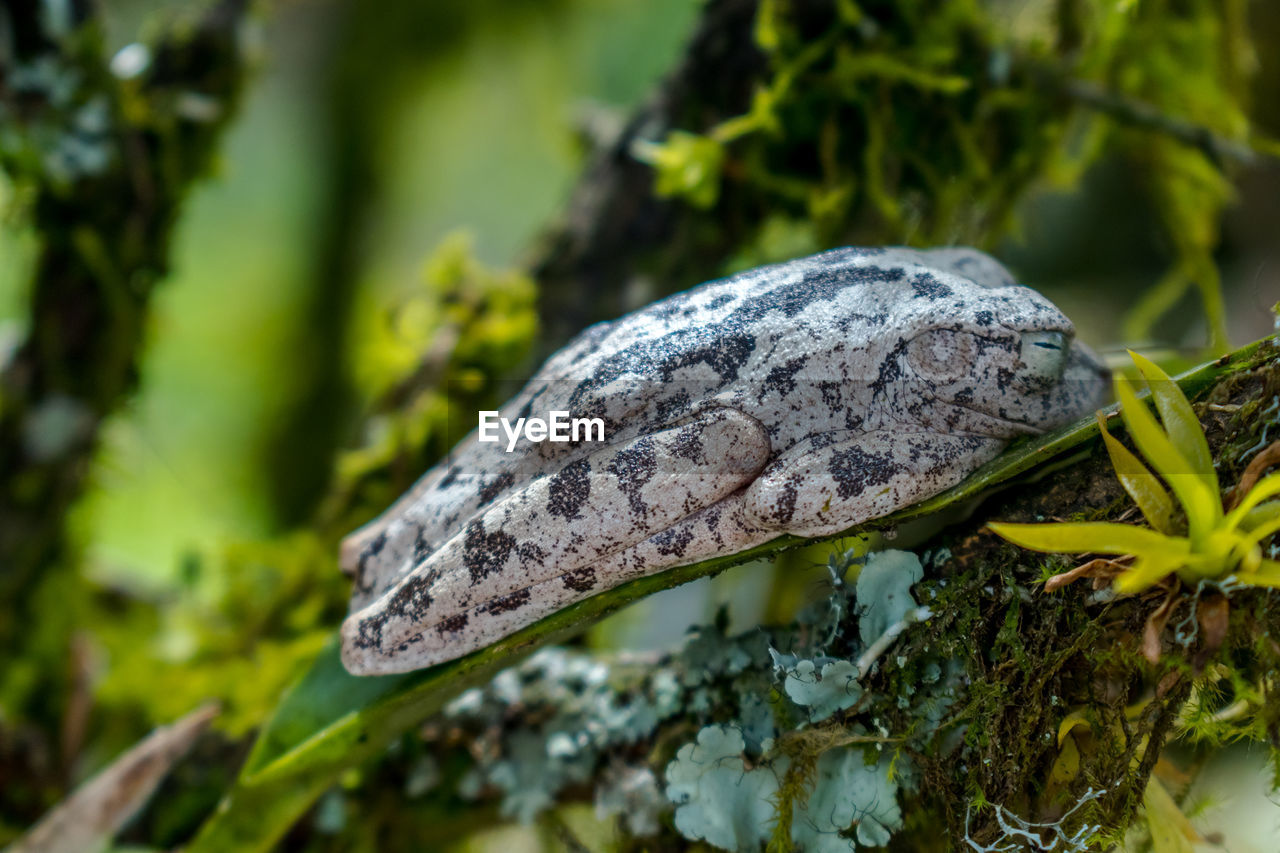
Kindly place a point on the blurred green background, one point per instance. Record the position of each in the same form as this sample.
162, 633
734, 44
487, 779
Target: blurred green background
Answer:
479, 122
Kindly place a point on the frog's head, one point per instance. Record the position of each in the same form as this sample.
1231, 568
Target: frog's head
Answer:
1002, 361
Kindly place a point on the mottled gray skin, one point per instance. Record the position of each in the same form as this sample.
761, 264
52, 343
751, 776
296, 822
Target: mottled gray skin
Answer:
799, 398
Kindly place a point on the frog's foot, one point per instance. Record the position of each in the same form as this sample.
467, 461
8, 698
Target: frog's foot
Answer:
830, 482
374, 554
494, 576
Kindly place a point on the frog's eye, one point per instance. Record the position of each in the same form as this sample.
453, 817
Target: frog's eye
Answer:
1043, 357
943, 355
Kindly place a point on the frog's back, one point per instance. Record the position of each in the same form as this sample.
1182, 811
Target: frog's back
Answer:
652, 368
716, 324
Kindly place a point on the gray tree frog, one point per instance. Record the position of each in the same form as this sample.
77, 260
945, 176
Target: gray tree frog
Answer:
799, 398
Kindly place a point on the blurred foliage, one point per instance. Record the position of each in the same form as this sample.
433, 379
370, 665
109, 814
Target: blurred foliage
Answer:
939, 116
101, 154
916, 121
444, 354
375, 64
277, 605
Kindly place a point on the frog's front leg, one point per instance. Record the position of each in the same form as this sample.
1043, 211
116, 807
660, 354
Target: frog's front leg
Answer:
489, 579
833, 481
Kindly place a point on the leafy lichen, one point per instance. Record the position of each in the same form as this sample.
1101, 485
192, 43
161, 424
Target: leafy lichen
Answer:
757, 757
718, 798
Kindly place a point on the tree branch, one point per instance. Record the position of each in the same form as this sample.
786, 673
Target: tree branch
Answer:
330, 720
616, 230
961, 701
106, 149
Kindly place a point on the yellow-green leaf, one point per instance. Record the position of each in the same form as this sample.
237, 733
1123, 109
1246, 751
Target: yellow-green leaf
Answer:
1071, 721
1180, 422
687, 165
1268, 574
1267, 487
1143, 486
1259, 515
1171, 832
1146, 571
1203, 508
1066, 767
1098, 537
1263, 531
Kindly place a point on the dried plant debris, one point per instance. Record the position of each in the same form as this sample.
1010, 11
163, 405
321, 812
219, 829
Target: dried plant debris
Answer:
88, 819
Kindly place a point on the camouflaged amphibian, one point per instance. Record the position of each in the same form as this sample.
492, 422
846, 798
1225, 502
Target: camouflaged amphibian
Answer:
799, 398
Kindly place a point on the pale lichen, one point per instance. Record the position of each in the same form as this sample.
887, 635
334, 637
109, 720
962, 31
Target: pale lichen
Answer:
782, 735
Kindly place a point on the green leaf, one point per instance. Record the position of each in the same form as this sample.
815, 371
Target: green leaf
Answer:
1203, 509
1263, 531
1094, 537
1143, 486
1180, 423
1259, 516
1170, 830
687, 165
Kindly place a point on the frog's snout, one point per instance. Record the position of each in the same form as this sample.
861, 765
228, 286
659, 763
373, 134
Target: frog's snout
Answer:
1044, 356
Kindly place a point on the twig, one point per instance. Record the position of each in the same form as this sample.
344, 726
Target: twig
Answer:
1216, 147
885, 640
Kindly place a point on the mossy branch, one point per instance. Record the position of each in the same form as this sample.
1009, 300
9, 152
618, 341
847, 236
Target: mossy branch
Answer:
615, 227
331, 721
1220, 149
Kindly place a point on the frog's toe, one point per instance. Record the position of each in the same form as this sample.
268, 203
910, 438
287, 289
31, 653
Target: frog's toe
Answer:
361, 648
372, 646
